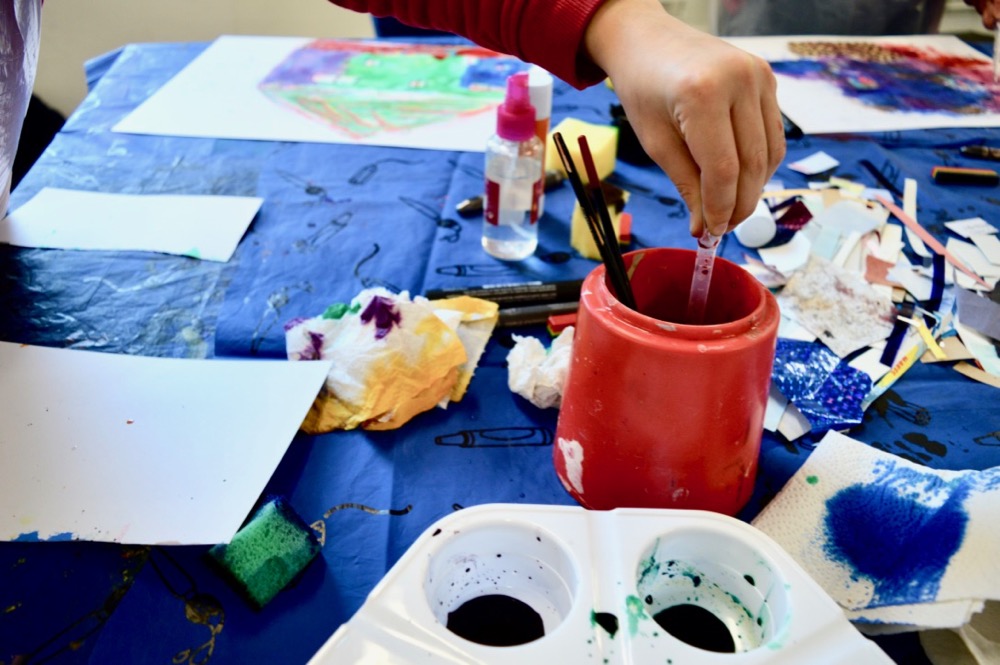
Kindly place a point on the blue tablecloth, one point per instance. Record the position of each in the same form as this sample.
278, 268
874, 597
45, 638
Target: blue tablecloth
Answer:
337, 219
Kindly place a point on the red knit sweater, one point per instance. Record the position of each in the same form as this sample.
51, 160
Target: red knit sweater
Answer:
548, 33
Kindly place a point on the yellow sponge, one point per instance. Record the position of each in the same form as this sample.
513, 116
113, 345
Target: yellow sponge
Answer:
601, 139
579, 233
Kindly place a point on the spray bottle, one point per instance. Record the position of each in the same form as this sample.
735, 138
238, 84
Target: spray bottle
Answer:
513, 177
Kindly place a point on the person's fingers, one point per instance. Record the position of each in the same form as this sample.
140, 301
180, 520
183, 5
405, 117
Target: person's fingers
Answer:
773, 125
707, 128
671, 154
751, 144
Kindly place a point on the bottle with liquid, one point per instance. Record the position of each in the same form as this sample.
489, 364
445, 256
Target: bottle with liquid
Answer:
513, 177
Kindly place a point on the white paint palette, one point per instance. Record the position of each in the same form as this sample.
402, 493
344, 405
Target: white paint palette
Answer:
560, 584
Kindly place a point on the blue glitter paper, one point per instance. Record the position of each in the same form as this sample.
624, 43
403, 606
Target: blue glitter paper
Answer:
828, 392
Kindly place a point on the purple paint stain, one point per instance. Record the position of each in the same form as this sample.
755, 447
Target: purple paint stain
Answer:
314, 351
383, 311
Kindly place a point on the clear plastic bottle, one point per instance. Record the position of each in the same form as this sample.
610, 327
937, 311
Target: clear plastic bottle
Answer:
513, 177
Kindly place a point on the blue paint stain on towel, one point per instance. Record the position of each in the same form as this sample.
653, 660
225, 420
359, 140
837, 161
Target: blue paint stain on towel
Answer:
901, 530
33, 537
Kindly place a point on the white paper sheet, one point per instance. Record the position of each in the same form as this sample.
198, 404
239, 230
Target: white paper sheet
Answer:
217, 96
129, 449
202, 227
820, 107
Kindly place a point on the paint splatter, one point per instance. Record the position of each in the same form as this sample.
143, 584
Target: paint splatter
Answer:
812, 480
899, 532
337, 310
383, 312
897, 77
635, 613
606, 620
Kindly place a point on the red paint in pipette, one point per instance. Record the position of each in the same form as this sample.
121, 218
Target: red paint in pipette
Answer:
702, 278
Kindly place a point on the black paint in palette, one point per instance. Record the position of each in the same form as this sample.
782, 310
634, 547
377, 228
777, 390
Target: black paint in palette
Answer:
496, 620
696, 626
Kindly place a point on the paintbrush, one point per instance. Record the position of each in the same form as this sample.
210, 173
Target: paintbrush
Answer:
605, 246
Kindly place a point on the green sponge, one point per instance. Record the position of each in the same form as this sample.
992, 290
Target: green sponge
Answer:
268, 552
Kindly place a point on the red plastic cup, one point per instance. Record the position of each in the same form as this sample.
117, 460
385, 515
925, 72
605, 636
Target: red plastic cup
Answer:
657, 413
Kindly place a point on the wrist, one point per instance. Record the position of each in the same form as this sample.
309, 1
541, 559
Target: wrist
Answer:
618, 26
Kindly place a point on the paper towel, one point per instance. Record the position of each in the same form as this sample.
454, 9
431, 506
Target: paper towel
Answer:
539, 374
885, 536
393, 357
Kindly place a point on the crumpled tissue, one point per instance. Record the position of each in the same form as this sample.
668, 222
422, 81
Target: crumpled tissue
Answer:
539, 374
899, 546
393, 357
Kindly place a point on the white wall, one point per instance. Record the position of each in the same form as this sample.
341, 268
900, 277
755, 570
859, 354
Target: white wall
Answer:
74, 31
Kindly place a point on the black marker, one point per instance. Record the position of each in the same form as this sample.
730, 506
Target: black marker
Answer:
474, 206
533, 314
954, 175
510, 295
981, 152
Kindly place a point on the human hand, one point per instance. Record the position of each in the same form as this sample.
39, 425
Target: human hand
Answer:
989, 10
704, 111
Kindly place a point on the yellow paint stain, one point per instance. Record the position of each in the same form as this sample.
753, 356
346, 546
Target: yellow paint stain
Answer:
11, 608
25, 520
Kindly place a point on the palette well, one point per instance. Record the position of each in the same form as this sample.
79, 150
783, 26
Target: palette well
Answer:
503, 583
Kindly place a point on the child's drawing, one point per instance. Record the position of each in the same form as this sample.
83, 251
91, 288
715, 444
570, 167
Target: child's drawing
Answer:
363, 89
897, 77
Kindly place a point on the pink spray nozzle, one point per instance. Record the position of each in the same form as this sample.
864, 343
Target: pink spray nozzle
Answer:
516, 116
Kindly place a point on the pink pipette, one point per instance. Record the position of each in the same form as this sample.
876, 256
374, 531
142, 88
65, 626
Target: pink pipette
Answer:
702, 278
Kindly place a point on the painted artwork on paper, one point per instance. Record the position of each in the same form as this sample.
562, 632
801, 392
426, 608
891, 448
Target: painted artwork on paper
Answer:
838, 84
304, 90
897, 77
364, 88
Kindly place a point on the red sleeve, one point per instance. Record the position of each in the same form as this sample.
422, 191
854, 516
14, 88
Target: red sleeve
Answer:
548, 33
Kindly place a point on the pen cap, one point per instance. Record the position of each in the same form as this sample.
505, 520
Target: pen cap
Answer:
516, 115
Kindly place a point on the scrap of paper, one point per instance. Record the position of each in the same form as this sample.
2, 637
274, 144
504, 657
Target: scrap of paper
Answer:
953, 349
128, 449
826, 391
980, 347
989, 245
979, 313
976, 259
972, 226
910, 208
817, 162
877, 531
931, 241
837, 306
201, 227
789, 257
473, 320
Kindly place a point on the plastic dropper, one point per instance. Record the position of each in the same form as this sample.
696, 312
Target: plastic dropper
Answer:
702, 278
